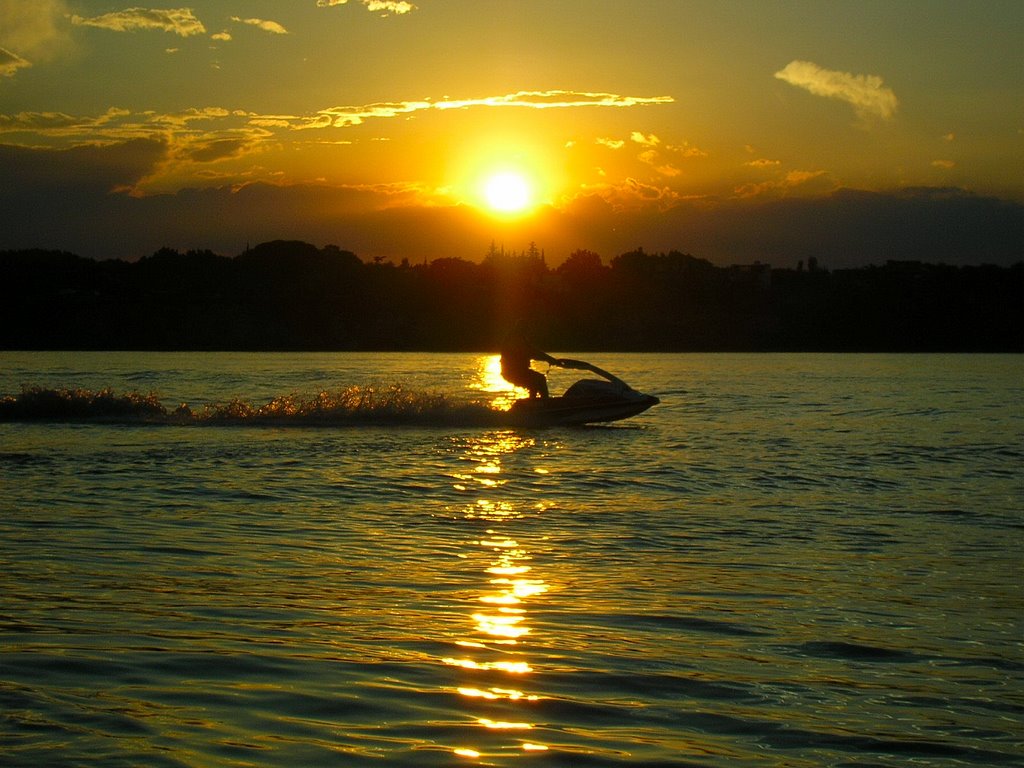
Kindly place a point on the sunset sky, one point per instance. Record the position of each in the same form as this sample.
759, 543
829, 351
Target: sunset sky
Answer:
733, 130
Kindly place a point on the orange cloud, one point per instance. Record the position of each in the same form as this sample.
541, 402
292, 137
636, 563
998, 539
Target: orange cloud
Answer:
340, 117
654, 157
633, 194
779, 186
650, 140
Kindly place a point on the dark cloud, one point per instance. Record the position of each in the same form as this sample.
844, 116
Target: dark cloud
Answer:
218, 149
79, 172
79, 200
853, 227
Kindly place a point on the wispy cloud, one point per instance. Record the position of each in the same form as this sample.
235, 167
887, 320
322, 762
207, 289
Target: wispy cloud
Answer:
340, 117
332, 117
197, 138
763, 163
117, 123
385, 7
180, 21
11, 63
866, 93
58, 124
611, 143
264, 24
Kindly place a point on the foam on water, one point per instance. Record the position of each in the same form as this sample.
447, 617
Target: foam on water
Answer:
353, 405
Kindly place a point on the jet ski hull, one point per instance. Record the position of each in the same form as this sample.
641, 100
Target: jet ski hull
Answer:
588, 401
576, 410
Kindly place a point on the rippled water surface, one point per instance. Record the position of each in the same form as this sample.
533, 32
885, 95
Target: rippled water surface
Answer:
792, 561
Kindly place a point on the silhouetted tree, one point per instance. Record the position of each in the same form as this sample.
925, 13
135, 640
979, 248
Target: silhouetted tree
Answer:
293, 295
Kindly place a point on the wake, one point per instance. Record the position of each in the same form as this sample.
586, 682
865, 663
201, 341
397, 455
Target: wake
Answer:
390, 405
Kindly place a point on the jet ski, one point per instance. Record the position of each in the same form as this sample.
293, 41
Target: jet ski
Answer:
588, 401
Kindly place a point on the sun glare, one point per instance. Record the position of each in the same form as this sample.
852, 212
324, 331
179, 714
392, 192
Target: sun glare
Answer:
507, 192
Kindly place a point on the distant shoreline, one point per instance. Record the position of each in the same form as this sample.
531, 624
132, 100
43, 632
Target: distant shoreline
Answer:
291, 296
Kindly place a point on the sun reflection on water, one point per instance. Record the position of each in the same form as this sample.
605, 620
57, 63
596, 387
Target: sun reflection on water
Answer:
490, 381
495, 673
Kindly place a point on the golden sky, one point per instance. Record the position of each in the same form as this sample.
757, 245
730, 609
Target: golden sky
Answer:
429, 129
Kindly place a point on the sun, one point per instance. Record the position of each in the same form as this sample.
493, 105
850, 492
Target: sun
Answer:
507, 192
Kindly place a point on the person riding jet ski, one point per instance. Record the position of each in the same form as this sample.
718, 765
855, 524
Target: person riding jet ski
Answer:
516, 354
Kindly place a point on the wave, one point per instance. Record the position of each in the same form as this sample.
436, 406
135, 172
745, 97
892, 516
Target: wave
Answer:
354, 405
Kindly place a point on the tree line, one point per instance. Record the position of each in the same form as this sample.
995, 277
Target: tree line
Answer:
290, 295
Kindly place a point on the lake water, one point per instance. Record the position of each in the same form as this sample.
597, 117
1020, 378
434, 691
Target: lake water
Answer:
793, 560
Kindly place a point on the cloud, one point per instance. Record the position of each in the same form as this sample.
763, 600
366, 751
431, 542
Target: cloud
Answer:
123, 124
686, 150
30, 27
83, 170
60, 124
782, 186
795, 178
193, 137
649, 156
944, 164
654, 157
386, 7
24, 122
183, 118
763, 163
266, 26
218, 149
633, 194
11, 63
389, 6
206, 134
340, 117
650, 140
29, 32
180, 21
221, 36
865, 93
611, 143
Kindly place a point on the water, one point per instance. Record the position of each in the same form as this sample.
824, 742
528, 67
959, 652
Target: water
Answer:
792, 561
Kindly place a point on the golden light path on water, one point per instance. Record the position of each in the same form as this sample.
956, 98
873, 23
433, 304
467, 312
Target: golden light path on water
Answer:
497, 628
489, 381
